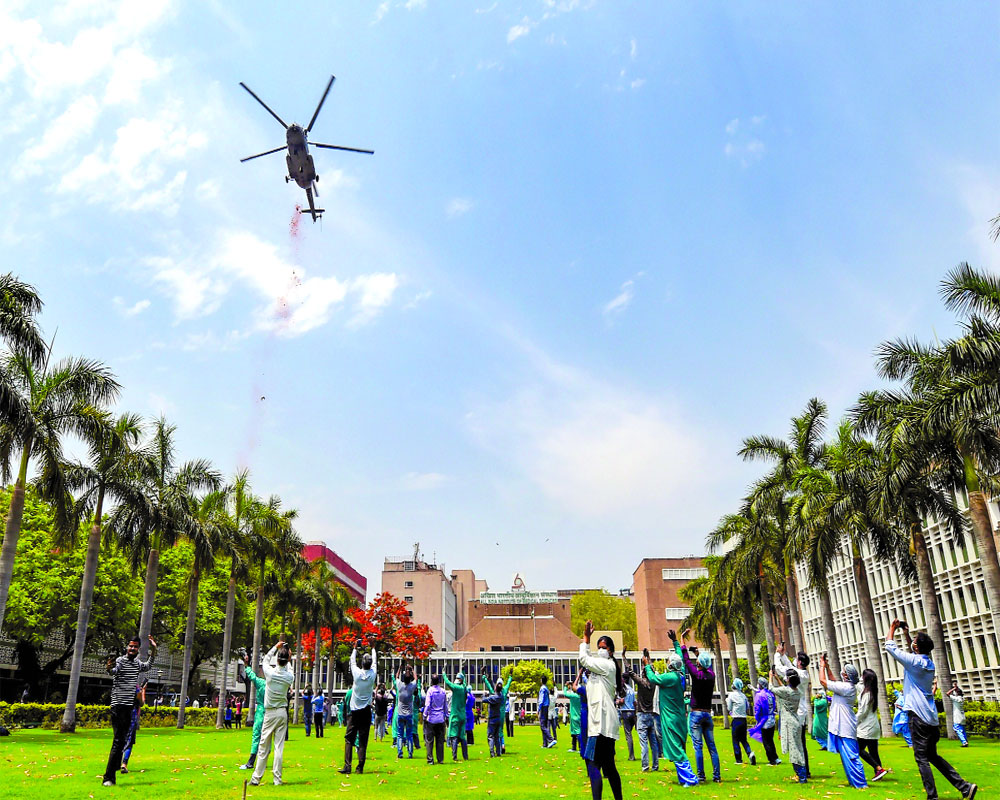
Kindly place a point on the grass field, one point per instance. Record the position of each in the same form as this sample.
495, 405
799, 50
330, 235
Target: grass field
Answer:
202, 763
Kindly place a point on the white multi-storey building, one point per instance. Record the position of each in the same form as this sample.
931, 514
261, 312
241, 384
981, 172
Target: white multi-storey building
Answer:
972, 646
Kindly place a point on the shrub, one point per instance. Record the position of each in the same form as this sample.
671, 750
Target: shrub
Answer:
49, 715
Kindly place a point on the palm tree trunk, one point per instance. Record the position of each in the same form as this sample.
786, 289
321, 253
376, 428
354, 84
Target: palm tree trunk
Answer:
748, 642
765, 603
932, 612
734, 659
983, 531
227, 646
298, 674
792, 590
12, 532
829, 629
83, 616
189, 645
258, 629
873, 652
148, 598
720, 677
316, 670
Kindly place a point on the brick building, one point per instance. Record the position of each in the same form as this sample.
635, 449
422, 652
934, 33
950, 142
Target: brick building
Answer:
656, 583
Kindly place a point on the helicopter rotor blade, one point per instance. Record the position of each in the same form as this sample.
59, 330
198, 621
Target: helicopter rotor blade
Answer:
339, 147
321, 101
267, 153
266, 106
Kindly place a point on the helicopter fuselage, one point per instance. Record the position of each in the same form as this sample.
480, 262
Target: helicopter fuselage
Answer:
301, 168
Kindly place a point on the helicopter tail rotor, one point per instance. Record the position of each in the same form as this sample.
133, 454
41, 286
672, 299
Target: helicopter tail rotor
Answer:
322, 100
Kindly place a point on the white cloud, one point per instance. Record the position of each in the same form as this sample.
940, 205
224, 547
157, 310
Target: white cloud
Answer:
519, 30
136, 173
160, 405
131, 71
64, 131
633, 49
380, 12
621, 301
638, 83
418, 298
410, 5
458, 206
423, 481
292, 303
596, 450
744, 144
132, 310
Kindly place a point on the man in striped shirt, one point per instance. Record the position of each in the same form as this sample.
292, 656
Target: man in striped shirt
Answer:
125, 670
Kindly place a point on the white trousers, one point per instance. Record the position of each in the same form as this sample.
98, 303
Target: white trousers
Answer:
275, 726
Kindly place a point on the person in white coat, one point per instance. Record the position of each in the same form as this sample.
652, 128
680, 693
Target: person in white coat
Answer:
275, 728
603, 688
801, 666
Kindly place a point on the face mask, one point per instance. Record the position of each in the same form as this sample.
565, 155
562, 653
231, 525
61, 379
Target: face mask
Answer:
602, 652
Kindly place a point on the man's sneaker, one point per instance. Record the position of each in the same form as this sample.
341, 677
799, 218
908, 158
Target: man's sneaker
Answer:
777, 761
124, 770
972, 791
753, 760
107, 783
880, 774
277, 781
244, 766
344, 770
254, 782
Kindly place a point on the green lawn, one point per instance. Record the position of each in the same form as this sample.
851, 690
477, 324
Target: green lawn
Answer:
202, 764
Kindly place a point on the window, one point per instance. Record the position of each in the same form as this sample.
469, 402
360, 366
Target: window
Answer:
408, 598
684, 574
676, 613
409, 566
407, 584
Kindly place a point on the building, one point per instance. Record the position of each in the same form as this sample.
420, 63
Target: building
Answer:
354, 581
971, 646
433, 598
656, 584
518, 620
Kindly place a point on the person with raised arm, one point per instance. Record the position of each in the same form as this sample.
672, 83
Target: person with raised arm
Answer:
918, 702
359, 714
435, 714
700, 720
258, 685
574, 714
958, 714
737, 704
788, 693
801, 666
842, 736
673, 715
456, 715
765, 711
646, 723
504, 691
125, 671
402, 719
278, 680
604, 686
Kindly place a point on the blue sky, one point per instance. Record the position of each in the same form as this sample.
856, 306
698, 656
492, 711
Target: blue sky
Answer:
598, 244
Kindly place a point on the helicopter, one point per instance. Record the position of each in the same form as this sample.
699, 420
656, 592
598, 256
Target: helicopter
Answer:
301, 168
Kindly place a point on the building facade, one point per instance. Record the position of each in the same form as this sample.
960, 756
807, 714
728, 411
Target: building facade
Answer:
433, 598
518, 621
353, 581
972, 648
656, 584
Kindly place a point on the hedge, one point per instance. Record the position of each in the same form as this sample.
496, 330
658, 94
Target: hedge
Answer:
49, 715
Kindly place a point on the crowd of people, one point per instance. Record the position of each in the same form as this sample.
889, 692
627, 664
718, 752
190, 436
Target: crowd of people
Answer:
663, 706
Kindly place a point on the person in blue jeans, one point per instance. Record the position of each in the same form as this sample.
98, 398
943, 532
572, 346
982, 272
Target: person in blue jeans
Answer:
700, 720
543, 713
646, 721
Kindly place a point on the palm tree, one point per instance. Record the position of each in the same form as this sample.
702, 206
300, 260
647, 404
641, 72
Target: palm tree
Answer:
914, 481
774, 497
841, 502
107, 475
209, 518
709, 611
19, 302
51, 402
155, 513
958, 409
751, 574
